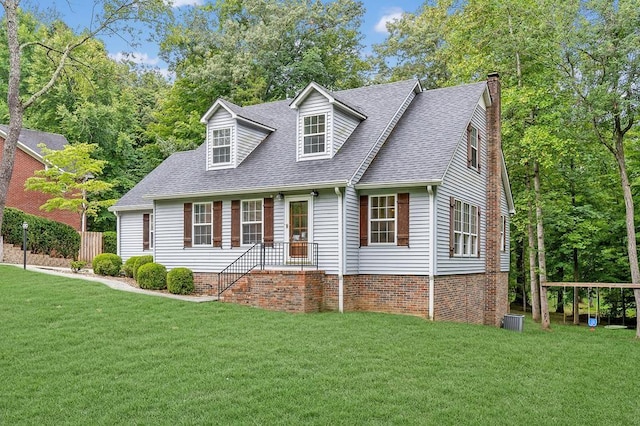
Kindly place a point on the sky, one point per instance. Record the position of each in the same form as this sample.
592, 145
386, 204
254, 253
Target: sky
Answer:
77, 14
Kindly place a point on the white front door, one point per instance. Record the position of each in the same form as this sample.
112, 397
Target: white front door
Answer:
299, 226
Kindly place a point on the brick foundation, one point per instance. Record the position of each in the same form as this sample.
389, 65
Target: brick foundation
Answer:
458, 298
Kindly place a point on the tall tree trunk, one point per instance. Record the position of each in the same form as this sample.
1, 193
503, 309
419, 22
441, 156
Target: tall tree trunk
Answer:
631, 233
13, 102
533, 276
576, 290
542, 262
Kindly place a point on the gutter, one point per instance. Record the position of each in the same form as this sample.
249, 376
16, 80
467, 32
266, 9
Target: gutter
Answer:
398, 184
118, 233
231, 192
432, 249
340, 249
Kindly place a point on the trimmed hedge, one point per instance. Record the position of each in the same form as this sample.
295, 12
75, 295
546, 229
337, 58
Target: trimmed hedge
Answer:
110, 242
127, 268
141, 260
152, 276
180, 281
44, 236
107, 264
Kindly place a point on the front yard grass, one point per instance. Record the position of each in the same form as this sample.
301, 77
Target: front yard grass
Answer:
77, 352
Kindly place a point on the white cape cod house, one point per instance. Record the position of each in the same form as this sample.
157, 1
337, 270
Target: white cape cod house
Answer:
384, 198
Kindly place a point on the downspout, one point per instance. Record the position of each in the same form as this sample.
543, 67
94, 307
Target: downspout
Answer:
432, 249
118, 233
340, 250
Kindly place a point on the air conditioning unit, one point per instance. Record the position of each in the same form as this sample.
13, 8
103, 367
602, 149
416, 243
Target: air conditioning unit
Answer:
513, 322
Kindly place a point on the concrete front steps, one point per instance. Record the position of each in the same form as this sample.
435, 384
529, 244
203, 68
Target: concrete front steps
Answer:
14, 254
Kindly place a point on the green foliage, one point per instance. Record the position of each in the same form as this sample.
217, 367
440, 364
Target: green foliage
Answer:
78, 265
180, 281
140, 260
44, 236
129, 266
152, 276
107, 264
109, 242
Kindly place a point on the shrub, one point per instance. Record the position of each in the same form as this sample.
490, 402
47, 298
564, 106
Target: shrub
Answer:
44, 236
127, 268
141, 260
180, 281
77, 265
152, 276
107, 264
109, 242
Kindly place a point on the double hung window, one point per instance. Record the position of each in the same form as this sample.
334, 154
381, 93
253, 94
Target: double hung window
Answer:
465, 232
383, 219
221, 146
314, 134
202, 224
251, 221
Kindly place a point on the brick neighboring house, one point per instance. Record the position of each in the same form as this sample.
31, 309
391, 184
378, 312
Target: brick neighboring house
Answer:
399, 197
28, 160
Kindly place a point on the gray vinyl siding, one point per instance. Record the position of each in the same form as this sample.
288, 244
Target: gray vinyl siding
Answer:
392, 259
352, 230
247, 139
314, 104
220, 120
169, 244
469, 186
343, 126
383, 137
504, 256
130, 234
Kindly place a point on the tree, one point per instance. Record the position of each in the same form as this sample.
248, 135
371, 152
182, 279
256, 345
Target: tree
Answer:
70, 179
601, 63
112, 16
254, 51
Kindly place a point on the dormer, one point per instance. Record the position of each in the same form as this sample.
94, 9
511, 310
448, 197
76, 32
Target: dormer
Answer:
232, 134
324, 123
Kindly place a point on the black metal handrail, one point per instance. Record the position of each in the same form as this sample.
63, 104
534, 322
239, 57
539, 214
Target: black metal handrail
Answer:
292, 254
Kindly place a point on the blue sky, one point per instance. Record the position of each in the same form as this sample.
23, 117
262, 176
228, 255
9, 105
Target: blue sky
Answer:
77, 14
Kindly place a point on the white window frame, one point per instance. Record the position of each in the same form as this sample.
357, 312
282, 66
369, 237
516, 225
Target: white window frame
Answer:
251, 222
503, 233
151, 230
202, 224
466, 229
323, 134
386, 219
474, 148
213, 138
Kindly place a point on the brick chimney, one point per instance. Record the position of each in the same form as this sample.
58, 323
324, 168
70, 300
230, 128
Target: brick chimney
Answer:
496, 287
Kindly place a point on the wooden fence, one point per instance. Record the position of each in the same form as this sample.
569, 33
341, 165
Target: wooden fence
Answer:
90, 245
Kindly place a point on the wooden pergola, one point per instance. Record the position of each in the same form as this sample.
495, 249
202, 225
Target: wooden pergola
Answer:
586, 285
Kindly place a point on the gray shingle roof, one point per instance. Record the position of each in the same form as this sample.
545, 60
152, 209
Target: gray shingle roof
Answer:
31, 139
273, 163
423, 143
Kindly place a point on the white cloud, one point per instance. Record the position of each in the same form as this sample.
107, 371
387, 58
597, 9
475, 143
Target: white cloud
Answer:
390, 15
180, 3
135, 57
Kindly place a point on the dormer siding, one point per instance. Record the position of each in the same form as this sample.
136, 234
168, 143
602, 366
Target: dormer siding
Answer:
315, 104
343, 126
247, 139
220, 120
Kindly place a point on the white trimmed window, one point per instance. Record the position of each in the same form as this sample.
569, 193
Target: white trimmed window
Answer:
251, 221
465, 231
221, 146
314, 132
202, 224
151, 230
503, 233
382, 214
474, 143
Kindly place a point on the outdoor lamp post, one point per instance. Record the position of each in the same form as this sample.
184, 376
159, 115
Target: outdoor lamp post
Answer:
25, 225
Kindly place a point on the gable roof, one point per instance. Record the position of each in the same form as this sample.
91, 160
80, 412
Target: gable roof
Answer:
237, 113
29, 139
423, 143
330, 96
272, 164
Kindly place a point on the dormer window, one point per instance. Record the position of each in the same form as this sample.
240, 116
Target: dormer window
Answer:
221, 146
315, 131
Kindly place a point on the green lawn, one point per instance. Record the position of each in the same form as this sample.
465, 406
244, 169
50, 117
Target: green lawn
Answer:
77, 352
